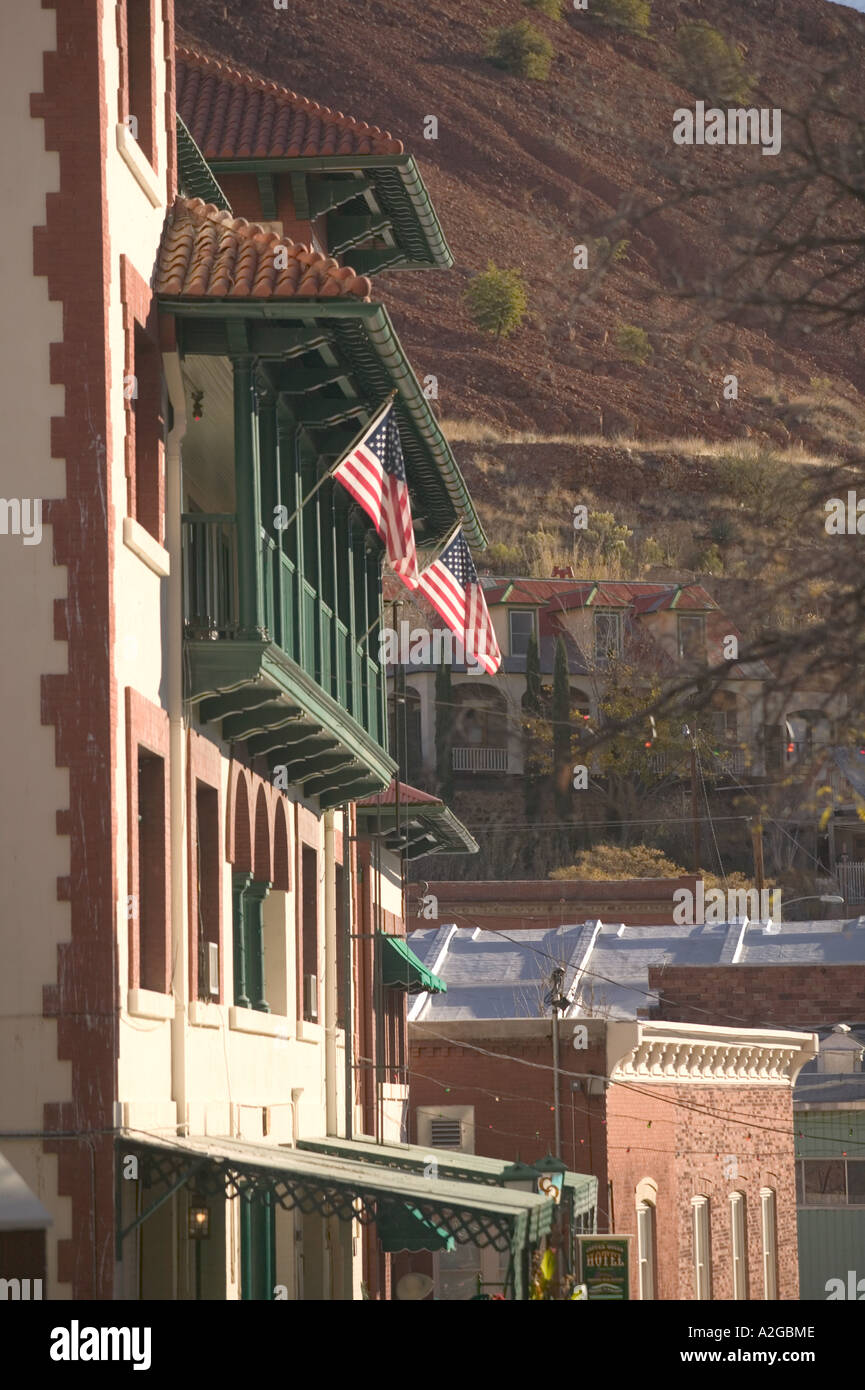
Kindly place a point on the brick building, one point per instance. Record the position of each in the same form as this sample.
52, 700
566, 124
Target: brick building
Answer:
204, 954
688, 1127
521, 903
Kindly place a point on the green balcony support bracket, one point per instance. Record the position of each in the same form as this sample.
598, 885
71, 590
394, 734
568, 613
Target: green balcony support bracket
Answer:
326, 193
272, 715
344, 231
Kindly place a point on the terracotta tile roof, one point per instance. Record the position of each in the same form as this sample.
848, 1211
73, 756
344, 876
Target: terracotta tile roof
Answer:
409, 796
556, 595
232, 114
208, 254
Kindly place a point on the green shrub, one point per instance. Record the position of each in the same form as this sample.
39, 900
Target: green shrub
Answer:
750, 477
497, 300
522, 50
632, 15
605, 251
551, 8
632, 344
709, 65
503, 559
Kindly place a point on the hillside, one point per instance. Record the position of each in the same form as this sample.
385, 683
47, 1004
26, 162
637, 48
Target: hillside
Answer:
523, 170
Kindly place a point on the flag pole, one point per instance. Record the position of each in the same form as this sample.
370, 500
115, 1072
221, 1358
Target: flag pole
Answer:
334, 466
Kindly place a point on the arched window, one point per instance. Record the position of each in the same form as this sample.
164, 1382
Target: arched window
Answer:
702, 1247
769, 1242
739, 1243
647, 1196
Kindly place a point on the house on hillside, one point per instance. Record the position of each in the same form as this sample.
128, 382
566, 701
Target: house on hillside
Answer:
661, 630
203, 936
687, 1125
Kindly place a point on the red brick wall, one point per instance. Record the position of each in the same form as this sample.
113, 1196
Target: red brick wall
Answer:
678, 1136
513, 1102
780, 996
682, 1137
525, 903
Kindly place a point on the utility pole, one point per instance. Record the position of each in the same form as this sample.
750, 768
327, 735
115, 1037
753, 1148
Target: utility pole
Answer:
757, 839
695, 819
558, 1002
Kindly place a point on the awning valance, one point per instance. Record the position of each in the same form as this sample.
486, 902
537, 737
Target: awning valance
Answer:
410, 1230
401, 969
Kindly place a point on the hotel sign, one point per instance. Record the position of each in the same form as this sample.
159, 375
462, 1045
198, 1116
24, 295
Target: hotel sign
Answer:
604, 1267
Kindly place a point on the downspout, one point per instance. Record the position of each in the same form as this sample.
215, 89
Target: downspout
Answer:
330, 974
177, 802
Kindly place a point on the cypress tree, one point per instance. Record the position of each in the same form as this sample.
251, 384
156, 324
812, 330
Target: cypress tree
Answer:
561, 719
532, 699
532, 709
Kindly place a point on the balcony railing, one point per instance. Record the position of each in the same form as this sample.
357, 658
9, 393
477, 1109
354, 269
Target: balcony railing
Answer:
477, 759
295, 616
851, 881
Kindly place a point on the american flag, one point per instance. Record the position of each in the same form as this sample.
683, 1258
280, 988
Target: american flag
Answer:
374, 473
452, 586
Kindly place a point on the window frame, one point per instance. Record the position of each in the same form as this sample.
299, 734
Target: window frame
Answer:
606, 615
769, 1242
692, 621
521, 613
739, 1244
701, 1234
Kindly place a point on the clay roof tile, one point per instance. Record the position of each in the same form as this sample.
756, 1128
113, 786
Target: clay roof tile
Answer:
232, 113
207, 253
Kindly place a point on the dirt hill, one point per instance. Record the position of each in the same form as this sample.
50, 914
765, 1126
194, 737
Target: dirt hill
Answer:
524, 170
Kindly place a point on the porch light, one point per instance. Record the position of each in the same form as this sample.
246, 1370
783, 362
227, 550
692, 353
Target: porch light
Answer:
199, 1219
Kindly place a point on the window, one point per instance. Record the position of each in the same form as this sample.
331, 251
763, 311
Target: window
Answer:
309, 933
521, 622
608, 636
138, 106
646, 1248
702, 1243
830, 1182
207, 890
769, 1239
248, 911
152, 970
739, 1244
692, 637
147, 426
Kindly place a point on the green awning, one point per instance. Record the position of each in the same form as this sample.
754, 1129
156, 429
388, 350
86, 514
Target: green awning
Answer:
409, 1229
401, 969
581, 1188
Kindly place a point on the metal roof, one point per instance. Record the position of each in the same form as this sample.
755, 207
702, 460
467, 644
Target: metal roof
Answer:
491, 976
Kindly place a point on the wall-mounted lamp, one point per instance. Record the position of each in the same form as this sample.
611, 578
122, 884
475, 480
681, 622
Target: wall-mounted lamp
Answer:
199, 1218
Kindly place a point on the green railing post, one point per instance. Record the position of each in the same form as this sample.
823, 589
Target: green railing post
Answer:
248, 492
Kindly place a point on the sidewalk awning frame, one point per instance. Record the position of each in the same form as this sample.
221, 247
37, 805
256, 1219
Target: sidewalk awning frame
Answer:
581, 1189
330, 1186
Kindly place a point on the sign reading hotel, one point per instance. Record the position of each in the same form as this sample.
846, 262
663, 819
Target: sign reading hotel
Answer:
604, 1267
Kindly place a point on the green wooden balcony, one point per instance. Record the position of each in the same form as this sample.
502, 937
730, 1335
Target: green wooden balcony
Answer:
301, 686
